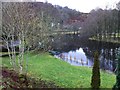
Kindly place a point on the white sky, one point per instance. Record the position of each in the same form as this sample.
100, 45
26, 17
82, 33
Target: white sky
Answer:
83, 5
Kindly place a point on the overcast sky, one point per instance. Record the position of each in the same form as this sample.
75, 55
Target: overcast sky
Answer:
83, 5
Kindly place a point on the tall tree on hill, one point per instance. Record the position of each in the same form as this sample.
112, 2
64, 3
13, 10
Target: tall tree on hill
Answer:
95, 81
118, 7
47, 19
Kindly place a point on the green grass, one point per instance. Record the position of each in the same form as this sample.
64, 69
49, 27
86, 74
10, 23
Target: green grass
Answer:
61, 73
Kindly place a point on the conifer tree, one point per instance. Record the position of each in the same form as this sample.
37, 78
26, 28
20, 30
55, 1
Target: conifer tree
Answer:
95, 81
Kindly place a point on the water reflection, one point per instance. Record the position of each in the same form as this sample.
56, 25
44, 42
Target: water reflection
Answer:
73, 54
76, 57
84, 57
108, 59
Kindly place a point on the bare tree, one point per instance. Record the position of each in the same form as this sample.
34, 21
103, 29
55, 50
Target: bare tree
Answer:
29, 25
16, 21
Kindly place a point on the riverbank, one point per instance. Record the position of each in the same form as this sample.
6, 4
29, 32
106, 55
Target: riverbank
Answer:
46, 67
106, 40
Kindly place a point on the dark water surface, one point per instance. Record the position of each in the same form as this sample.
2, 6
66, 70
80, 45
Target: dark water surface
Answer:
80, 51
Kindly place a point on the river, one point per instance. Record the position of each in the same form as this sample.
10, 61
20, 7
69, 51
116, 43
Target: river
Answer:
80, 51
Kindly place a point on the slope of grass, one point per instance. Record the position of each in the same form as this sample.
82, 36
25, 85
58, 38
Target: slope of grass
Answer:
63, 74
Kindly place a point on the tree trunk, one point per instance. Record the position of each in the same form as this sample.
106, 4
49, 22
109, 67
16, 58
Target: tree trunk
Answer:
21, 52
10, 57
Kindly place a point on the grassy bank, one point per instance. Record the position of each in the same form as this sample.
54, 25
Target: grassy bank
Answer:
61, 73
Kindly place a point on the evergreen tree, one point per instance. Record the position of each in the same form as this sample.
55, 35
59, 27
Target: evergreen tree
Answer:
95, 81
117, 85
